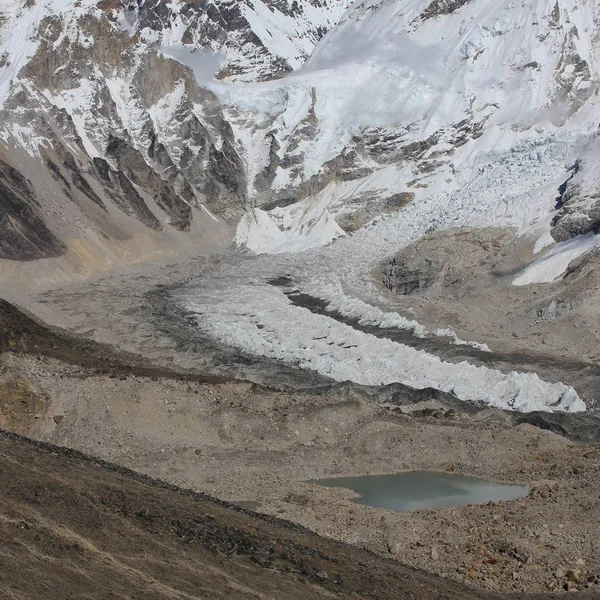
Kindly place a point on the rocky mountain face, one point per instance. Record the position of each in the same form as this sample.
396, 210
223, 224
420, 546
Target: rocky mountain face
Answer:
105, 130
306, 118
578, 203
23, 234
254, 40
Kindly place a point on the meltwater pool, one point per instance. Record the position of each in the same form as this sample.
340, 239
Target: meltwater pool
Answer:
415, 490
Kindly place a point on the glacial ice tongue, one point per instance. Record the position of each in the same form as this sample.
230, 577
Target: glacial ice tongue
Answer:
259, 319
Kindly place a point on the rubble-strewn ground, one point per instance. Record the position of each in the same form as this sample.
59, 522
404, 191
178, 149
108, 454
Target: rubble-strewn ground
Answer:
164, 401
462, 279
71, 527
243, 442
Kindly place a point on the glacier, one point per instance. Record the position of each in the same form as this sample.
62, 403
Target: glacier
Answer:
338, 274
295, 123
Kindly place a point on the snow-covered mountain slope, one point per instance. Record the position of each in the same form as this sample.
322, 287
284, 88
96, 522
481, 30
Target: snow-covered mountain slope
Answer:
433, 89
250, 40
314, 117
133, 129
115, 132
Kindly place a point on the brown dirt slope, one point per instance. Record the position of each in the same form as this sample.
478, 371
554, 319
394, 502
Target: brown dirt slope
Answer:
72, 527
23, 333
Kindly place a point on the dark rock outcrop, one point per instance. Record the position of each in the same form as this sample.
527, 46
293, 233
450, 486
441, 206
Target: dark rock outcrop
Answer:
438, 8
132, 164
578, 203
23, 234
124, 194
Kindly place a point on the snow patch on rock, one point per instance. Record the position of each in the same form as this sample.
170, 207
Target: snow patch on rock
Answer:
552, 266
291, 229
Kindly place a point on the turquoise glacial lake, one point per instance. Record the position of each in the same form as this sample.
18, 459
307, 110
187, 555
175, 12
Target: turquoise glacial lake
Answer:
416, 490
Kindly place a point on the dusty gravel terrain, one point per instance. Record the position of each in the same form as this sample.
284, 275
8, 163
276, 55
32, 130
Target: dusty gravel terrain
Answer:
122, 377
462, 279
71, 527
246, 443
